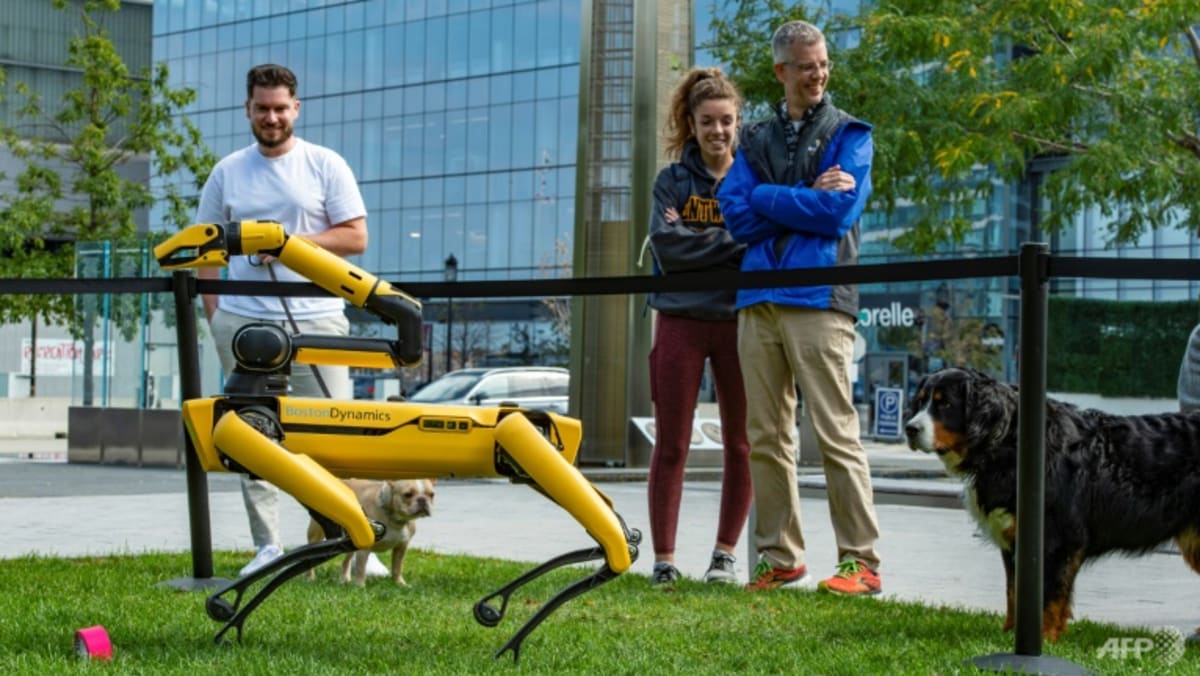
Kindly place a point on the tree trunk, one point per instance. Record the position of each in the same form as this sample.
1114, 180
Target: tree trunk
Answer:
89, 341
33, 359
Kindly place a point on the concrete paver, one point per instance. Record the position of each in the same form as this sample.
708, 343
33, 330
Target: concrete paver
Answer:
931, 555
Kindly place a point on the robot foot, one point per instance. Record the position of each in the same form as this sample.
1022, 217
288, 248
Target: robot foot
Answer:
571, 591
295, 562
487, 614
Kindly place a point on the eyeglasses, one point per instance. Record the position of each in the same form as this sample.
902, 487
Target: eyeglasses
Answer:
810, 68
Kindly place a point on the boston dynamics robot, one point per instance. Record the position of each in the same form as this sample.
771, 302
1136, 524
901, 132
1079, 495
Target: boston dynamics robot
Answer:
303, 445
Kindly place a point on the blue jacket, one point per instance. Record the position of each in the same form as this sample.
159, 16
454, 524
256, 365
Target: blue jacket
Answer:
768, 203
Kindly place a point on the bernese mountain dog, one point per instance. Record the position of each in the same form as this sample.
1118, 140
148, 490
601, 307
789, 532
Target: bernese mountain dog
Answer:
1114, 483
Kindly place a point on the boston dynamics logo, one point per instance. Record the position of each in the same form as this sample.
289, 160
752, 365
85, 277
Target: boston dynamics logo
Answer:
1164, 646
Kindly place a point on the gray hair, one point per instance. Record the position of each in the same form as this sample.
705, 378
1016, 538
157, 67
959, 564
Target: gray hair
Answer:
791, 32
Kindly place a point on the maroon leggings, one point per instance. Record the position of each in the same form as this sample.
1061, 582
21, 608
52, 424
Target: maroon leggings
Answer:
676, 365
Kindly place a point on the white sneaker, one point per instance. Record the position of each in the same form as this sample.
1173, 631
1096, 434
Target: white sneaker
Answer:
375, 567
721, 569
265, 555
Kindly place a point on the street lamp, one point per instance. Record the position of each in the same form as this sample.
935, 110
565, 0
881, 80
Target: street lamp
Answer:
451, 275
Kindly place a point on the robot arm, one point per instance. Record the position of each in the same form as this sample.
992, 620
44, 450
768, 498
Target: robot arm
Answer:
207, 245
303, 445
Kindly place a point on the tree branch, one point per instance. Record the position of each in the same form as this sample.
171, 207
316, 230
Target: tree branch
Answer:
1194, 42
1096, 91
1189, 142
1053, 146
1058, 37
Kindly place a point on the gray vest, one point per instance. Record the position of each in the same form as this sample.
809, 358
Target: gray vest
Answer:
764, 144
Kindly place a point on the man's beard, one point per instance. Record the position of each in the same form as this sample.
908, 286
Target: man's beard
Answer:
285, 133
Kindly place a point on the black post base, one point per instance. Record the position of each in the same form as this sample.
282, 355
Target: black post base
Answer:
194, 583
1029, 664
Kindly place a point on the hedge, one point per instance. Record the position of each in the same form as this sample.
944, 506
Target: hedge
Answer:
1117, 348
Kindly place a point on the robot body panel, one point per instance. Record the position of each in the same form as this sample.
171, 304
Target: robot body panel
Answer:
306, 445
566, 486
198, 421
299, 475
366, 360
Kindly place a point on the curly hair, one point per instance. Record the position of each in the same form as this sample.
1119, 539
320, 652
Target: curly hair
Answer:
697, 86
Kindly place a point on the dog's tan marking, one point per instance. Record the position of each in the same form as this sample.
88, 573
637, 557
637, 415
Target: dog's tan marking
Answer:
951, 447
1010, 532
1058, 610
1189, 545
1054, 618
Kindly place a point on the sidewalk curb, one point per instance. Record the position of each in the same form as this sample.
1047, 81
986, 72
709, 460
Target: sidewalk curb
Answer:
895, 486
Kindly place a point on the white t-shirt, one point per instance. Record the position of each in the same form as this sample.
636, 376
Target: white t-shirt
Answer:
308, 189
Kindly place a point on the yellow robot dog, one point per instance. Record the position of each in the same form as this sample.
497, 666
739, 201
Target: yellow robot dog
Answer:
302, 445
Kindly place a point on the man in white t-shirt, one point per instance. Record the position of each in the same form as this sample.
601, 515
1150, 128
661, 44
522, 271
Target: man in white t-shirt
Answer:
312, 191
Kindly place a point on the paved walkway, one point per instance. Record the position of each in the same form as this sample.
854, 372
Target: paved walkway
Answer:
930, 554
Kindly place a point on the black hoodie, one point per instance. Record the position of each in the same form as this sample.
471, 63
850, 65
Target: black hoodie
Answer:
695, 243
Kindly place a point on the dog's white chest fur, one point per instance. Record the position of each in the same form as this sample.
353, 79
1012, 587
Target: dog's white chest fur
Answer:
995, 523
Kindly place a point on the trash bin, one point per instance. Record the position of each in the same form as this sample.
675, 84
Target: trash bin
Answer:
864, 419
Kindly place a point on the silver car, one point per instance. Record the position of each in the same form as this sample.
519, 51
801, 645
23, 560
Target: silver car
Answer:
532, 387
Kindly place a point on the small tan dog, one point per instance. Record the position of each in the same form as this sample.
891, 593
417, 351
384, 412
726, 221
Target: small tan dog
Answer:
396, 504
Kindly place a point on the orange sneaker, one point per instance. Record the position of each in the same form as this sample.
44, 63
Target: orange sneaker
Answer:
852, 578
767, 577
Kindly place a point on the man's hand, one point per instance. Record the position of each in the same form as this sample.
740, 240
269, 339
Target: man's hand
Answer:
835, 180
208, 299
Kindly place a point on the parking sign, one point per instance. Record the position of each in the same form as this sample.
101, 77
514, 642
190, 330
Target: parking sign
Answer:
889, 409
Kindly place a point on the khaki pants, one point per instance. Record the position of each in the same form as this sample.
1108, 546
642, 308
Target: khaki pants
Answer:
261, 498
781, 347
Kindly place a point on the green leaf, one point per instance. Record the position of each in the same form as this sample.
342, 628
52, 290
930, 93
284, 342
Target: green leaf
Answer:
73, 186
950, 88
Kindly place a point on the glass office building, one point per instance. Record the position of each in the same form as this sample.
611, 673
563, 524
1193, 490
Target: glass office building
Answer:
34, 41
458, 118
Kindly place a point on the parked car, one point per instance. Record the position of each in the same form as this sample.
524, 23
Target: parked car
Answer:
532, 387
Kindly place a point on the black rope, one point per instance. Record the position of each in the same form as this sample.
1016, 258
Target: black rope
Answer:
958, 268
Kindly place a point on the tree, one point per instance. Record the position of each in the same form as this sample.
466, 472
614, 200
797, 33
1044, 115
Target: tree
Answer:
950, 332
554, 344
952, 335
964, 94
72, 188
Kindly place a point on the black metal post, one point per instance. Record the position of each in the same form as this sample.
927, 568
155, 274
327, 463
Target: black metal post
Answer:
451, 275
428, 338
1031, 450
187, 343
449, 330
1031, 477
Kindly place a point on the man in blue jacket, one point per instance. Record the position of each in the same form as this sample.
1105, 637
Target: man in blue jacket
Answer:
794, 196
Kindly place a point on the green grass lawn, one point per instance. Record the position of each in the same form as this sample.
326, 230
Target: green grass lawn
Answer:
322, 626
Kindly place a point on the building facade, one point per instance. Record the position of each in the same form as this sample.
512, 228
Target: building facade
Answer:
459, 120
504, 133
34, 39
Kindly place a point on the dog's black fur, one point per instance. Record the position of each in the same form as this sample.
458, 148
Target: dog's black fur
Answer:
1113, 483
